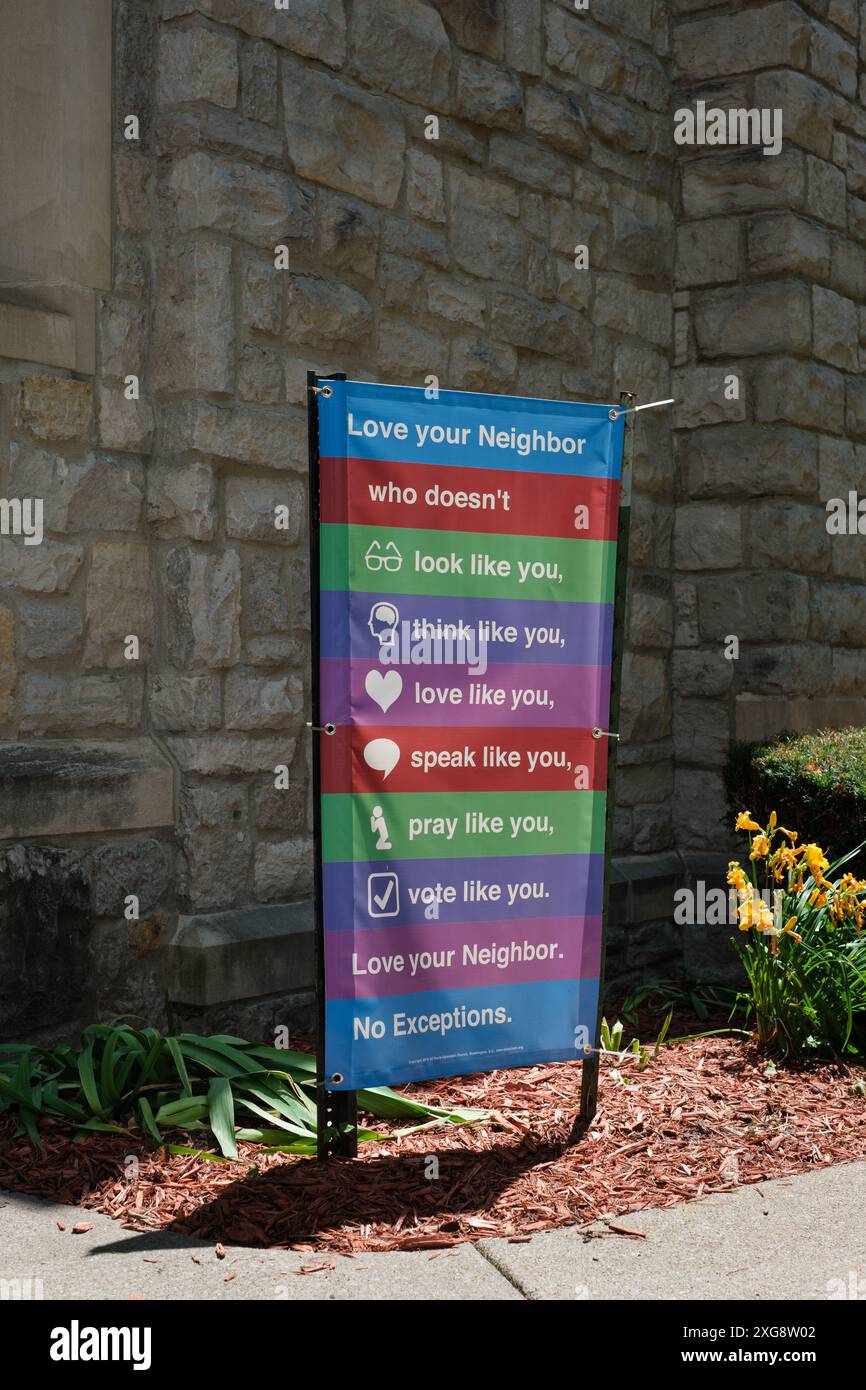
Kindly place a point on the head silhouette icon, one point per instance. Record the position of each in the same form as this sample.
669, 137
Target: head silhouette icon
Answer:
384, 618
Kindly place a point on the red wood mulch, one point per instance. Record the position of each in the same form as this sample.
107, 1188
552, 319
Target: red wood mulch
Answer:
704, 1117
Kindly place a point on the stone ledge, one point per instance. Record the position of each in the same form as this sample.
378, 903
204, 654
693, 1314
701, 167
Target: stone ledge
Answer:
222, 957
60, 787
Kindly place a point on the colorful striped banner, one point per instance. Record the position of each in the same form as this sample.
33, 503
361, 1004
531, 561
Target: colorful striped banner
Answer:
467, 548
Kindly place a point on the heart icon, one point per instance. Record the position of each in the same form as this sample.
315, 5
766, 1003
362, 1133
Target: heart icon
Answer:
384, 689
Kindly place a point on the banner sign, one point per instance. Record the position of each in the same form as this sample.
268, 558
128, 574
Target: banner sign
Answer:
466, 569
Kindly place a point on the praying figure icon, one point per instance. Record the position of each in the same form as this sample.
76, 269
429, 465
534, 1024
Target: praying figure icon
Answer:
379, 827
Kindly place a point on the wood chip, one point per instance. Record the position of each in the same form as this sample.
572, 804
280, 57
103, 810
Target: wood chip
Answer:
664, 1138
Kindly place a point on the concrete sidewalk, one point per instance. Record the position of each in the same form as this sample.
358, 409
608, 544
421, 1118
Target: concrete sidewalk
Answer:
788, 1239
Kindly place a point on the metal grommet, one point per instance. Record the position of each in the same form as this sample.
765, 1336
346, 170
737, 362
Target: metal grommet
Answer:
336, 1079
321, 728
588, 1049
613, 414
598, 733
327, 391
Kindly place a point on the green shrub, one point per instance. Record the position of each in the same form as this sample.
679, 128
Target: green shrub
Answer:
817, 781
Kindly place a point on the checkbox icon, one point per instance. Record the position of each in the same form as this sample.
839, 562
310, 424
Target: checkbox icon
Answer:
383, 895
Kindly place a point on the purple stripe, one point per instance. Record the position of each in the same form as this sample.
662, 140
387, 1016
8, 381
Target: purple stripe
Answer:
556, 948
584, 628
568, 885
564, 696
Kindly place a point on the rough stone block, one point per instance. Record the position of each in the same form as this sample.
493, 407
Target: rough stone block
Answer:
262, 702
216, 843
349, 234
621, 306
580, 50
205, 192
283, 869
184, 704
749, 460
119, 603
197, 65
708, 395
48, 568
789, 535
49, 628
645, 712
486, 243
74, 704
551, 329
775, 35
745, 181
311, 28
836, 328
753, 320
425, 186
479, 365
81, 492
181, 500
342, 137
801, 393
124, 425
755, 608
259, 74
202, 594
833, 60
324, 311
55, 408
219, 957
401, 46
251, 505
258, 438
122, 336
782, 244
707, 536
707, 252
192, 338
142, 868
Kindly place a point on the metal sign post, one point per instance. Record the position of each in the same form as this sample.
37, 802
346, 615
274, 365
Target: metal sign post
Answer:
337, 1111
589, 1079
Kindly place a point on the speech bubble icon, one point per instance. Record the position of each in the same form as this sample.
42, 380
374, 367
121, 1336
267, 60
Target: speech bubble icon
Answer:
382, 755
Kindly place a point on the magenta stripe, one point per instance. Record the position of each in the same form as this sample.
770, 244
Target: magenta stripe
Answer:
574, 956
560, 696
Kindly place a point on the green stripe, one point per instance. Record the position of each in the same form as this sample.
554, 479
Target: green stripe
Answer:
576, 821
582, 570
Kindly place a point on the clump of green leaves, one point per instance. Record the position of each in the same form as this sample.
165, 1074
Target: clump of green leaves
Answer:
226, 1087
611, 1041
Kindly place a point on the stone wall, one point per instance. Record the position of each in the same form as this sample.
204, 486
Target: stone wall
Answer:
407, 257
770, 285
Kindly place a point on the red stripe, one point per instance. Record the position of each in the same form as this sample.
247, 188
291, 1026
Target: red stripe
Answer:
511, 504
456, 760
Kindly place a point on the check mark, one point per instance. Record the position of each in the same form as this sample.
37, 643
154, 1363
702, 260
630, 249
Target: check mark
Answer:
382, 900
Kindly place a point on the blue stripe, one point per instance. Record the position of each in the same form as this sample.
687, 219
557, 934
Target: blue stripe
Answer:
539, 1023
459, 410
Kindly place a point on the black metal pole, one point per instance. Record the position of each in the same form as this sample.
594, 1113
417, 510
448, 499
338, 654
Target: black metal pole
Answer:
589, 1079
337, 1111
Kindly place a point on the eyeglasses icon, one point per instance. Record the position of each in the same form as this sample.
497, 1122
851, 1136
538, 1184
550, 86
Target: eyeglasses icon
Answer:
388, 559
